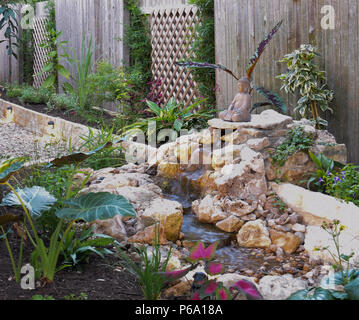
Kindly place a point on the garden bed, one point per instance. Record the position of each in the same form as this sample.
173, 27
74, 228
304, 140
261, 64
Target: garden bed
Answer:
99, 280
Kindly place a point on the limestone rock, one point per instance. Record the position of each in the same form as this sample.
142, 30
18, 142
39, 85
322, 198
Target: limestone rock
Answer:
317, 237
181, 289
254, 234
244, 179
169, 213
316, 207
238, 207
168, 170
280, 287
258, 144
269, 119
208, 210
112, 227
228, 155
148, 234
230, 224
285, 240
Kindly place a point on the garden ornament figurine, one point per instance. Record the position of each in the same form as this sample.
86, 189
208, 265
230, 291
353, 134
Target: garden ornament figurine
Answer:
240, 109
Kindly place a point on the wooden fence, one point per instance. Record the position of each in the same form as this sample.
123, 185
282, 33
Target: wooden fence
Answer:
104, 20
242, 24
4, 61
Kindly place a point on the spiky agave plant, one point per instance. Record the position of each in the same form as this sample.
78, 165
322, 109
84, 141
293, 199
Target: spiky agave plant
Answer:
273, 99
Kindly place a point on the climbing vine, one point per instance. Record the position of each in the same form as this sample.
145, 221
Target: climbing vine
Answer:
137, 37
204, 50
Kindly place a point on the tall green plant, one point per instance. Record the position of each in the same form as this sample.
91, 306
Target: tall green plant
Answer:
83, 66
304, 75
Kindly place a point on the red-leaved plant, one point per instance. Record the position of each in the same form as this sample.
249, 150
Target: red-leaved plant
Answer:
206, 289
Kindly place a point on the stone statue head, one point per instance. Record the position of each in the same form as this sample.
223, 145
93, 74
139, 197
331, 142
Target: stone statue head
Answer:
243, 85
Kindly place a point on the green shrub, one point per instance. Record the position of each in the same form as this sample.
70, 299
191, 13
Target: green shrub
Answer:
62, 101
296, 140
108, 84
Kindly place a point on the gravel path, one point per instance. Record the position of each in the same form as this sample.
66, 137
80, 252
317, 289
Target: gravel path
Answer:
17, 142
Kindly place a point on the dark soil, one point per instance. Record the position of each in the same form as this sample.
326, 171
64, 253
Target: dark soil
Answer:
99, 279
92, 121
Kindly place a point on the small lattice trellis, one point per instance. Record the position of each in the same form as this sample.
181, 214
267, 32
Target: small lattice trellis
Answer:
172, 32
40, 54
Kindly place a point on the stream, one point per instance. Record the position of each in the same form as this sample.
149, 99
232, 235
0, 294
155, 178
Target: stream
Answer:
228, 252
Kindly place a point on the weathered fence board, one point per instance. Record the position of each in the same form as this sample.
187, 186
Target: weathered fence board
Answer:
4, 61
242, 24
104, 20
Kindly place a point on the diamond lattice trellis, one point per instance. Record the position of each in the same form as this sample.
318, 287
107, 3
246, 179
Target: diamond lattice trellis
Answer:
172, 32
40, 54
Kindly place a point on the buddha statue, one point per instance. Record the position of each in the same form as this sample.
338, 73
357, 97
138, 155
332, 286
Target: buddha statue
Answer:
240, 109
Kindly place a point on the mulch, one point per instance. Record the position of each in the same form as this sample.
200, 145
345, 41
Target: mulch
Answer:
99, 279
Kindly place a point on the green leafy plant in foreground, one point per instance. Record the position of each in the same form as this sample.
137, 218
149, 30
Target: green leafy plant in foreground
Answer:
89, 207
76, 249
149, 266
296, 140
205, 289
345, 277
304, 75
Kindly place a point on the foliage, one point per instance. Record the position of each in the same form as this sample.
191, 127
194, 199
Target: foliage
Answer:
172, 116
345, 277
304, 74
62, 101
28, 94
108, 84
205, 289
40, 297
274, 99
83, 69
53, 67
88, 207
73, 297
335, 179
296, 140
76, 249
138, 38
147, 271
203, 47
107, 158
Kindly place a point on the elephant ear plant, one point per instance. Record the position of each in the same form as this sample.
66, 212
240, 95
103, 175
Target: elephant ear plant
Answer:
272, 98
204, 288
89, 207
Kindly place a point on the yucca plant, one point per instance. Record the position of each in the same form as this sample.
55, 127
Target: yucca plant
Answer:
272, 98
304, 75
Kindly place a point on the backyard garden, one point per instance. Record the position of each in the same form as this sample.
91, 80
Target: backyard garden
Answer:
141, 159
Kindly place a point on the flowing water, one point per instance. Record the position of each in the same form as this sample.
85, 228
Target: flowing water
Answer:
229, 253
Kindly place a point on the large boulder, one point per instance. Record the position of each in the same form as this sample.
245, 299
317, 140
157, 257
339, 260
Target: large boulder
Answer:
280, 287
288, 241
316, 207
168, 213
245, 179
254, 234
209, 210
148, 235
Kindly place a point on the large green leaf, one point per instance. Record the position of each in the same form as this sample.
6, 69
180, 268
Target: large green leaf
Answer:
9, 167
36, 200
310, 294
96, 206
352, 289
